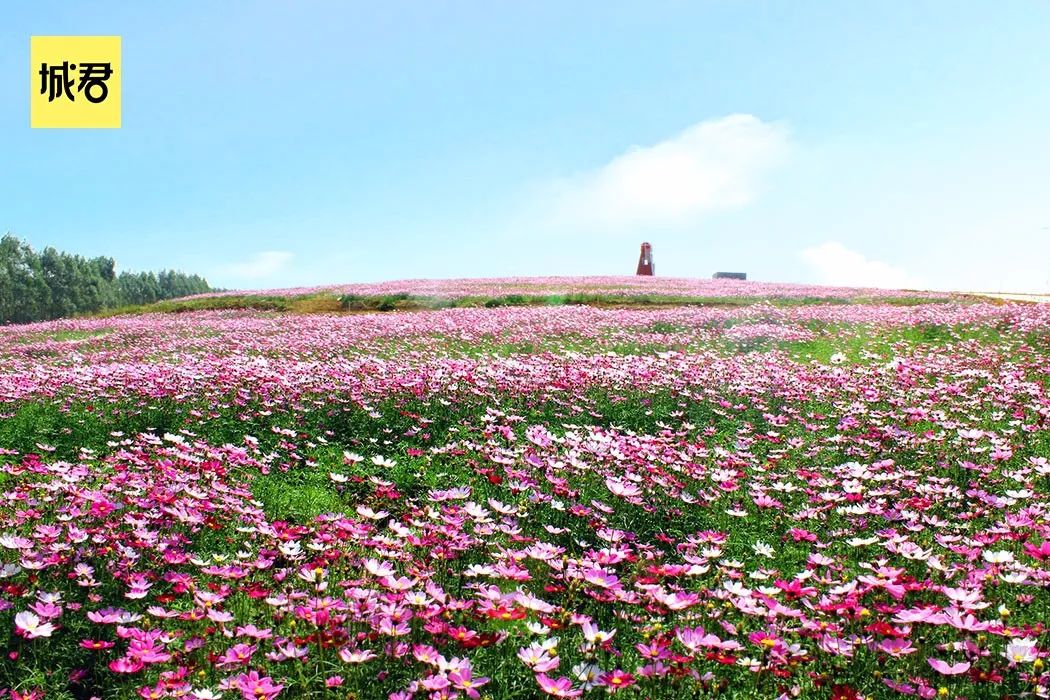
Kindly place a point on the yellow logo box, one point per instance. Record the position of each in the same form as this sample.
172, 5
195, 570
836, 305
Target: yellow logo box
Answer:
74, 82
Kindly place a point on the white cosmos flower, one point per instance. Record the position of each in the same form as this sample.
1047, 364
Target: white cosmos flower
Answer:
587, 674
9, 570
1021, 651
1000, 556
366, 512
29, 626
736, 588
763, 550
290, 549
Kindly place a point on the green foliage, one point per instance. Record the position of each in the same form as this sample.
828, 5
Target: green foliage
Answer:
52, 284
216, 303
297, 496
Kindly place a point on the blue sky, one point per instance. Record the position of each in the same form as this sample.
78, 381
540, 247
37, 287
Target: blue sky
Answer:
272, 144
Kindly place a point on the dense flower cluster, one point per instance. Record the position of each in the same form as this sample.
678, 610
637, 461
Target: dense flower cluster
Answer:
821, 501
365, 357
633, 285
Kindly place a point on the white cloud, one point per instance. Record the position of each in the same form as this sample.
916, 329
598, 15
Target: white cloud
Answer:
259, 266
835, 264
713, 165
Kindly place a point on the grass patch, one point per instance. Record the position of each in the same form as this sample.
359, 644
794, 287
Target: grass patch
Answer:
298, 495
403, 301
62, 336
218, 303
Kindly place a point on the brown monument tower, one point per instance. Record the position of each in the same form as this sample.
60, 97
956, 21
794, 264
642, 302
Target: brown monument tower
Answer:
645, 260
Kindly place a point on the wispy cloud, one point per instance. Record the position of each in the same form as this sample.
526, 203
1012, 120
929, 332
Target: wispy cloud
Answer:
713, 165
835, 264
259, 266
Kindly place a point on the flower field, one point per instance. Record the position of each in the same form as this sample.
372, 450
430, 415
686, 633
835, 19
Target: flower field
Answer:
823, 500
611, 286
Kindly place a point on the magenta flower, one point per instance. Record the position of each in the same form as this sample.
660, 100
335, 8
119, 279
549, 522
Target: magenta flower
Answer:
912, 559
1041, 552
463, 680
147, 651
237, 655
125, 665
256, 687
616, 680
601, 578
154, 693
764, 640
46, 610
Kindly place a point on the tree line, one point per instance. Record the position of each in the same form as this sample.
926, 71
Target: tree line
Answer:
53, 284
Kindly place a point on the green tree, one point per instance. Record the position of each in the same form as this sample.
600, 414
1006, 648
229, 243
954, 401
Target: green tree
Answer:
54, 284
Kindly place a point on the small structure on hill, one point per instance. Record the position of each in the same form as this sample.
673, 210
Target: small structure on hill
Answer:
730, 276
645, 261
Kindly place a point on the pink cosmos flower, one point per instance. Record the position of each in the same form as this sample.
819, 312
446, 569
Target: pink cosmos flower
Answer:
46, 610
160, 690
125, 665
107, 616
794, 589
463, 680
897, 647
1041, 552
679, 600
910, 615
764, 640
616, 680
34, 694
594, 635
256, 687
964, 621
947, 669
622, 488
695, 639
237, 655
147, 651
600, 578
657, 669
436, 682
254, 632
559, 688
352, 656
220, 616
